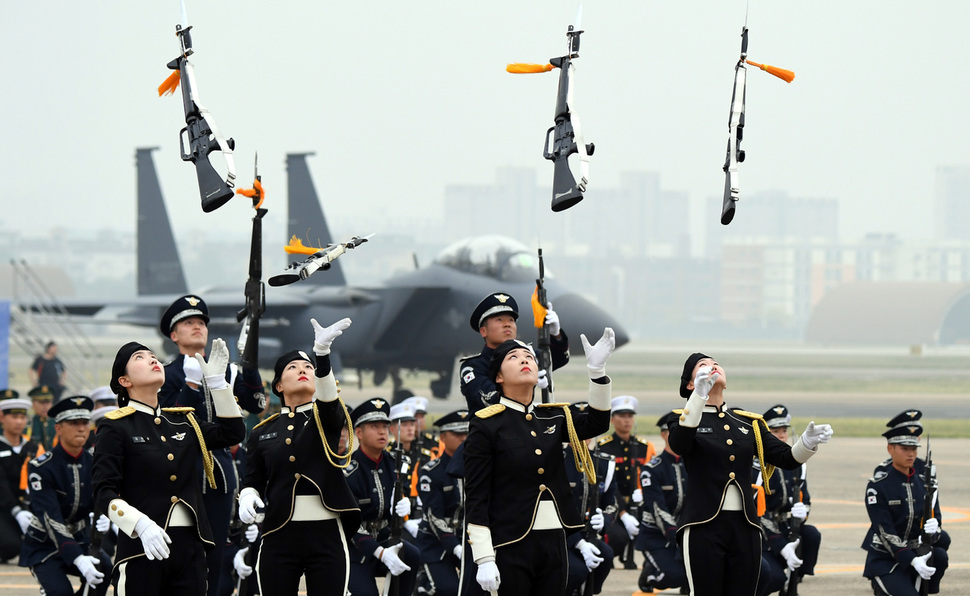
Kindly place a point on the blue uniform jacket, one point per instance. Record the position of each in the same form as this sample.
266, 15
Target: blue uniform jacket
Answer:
580, 488
663, 481
372, 484
440, 493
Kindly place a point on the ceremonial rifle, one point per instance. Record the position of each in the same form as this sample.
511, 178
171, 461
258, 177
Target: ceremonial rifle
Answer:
255, 292
94, 547
592, 502
735, 155
929, 504
200, 128
539, 308
566, 135
392, 584
319, 259
634, 508
794, 533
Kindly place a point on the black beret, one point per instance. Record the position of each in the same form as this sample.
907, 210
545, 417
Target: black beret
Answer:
283, 361
685, 378
491, 305
495, 364
183, 308
120, 365
78, 407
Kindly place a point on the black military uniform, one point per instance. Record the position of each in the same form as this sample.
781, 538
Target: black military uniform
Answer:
606, 490
61, 499
895, 504
476, 385
372, 483
663, 481
439, 534
42, 427
415, 455
310, 510
145, 464
13, 490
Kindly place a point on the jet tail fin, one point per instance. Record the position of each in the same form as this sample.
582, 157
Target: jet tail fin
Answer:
159, 267
306, 220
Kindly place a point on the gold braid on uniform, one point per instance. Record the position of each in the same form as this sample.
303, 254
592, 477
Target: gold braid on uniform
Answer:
766, 469
330, 453
584, 461
206, 455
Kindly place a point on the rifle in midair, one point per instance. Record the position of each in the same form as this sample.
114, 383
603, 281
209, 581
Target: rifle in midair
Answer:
565, 137
540, 306
794, 533
255, 292
735, 155
319, 259
929, 505
200, 132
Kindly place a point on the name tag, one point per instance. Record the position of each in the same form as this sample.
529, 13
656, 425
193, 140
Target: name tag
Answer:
267, 436
705, 429
139, 439
448, 488
364, 502
896, 502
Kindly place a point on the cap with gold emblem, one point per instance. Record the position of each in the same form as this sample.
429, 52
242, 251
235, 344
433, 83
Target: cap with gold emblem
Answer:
9, 394
15, 405
41, 393
419, 403
402, 412
77, 407
455, 422
491, 305
624, 403
905, 428
777, 417
373, 410
181, 309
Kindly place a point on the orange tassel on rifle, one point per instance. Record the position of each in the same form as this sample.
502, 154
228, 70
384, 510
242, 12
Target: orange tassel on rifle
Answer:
538, 310
524, 68
251, 192
785, 75
296, 247
170, 84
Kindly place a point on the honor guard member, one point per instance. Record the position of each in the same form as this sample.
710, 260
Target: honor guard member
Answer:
585, 549
426, 440
372, 474
903, 419
494, 318
519, 504
293, 468
57, 542
186, 322
404, 428
15, 451
146, 476
631, 453
895, 501
663, 483
41, 424
720, 532
439, 536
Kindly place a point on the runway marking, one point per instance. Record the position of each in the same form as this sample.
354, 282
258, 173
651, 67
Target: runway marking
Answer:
952, 515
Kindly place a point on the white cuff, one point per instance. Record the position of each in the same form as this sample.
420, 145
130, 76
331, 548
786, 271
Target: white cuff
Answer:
800, 452
326, 388
599, 395
225, 403
480, 539
691, 417
124, 516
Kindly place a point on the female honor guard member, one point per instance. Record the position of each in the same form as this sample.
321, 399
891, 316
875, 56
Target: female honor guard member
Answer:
519, 504
720, 532
293, 462
57, 541
146, 476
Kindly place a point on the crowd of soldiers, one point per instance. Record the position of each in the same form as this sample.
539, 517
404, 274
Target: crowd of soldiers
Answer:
149, 485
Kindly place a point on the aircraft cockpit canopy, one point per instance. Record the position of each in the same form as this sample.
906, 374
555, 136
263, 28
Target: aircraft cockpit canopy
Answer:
495, 256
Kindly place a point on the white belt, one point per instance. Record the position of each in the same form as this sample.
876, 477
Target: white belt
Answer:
732, 499
181, 517
310, 508
547, 518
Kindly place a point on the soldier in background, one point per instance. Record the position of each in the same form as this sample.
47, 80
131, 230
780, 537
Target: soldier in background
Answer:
427, 441
41, 424
15, 451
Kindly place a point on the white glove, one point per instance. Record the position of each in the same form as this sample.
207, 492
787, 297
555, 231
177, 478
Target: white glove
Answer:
799, 510
403, 507
816, 435
323, 336
488, 577
790, 557
919, 564
597, 521
931, 526
87, 565
589, 553
552, 320
412, 526
239, 563
637, 496
457, 552
192, 370
103, 524
252, 533
24, 518
704, 381
631, 524
599, 353
214, 370
543, 382
248, 502
391, 560
153, 539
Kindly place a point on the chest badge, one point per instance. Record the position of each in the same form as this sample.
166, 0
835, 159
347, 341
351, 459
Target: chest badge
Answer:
178, 436
550, 430
743, 430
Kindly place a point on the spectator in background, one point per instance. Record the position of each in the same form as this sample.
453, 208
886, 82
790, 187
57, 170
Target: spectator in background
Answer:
48, 369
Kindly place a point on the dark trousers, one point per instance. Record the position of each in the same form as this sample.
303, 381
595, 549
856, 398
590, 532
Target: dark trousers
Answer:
439, 578
182, 573
362, 575
218, 508
579, 573
619, 541
773, 576
722, 556
902, 581
533, 566
316, 550
10, 537
52, 577
667, 567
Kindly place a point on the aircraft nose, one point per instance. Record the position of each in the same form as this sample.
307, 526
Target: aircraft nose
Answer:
579, 315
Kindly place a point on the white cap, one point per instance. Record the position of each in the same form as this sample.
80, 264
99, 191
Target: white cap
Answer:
99, 413
624, 403
420, 404
402, 412
103, 393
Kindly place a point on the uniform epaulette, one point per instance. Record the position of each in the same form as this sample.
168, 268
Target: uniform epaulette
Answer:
265, 420
642, 441
41, 459
352, 466
425, 451
751, 415
432, 464
561, 404
879, 475
490, 411
653, 463
678, 411
184, 410
604, 440
120, 413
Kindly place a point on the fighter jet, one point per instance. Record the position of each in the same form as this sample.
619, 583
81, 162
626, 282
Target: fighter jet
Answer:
413, 321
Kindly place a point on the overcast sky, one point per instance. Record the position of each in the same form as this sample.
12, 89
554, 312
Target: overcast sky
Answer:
400, 99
